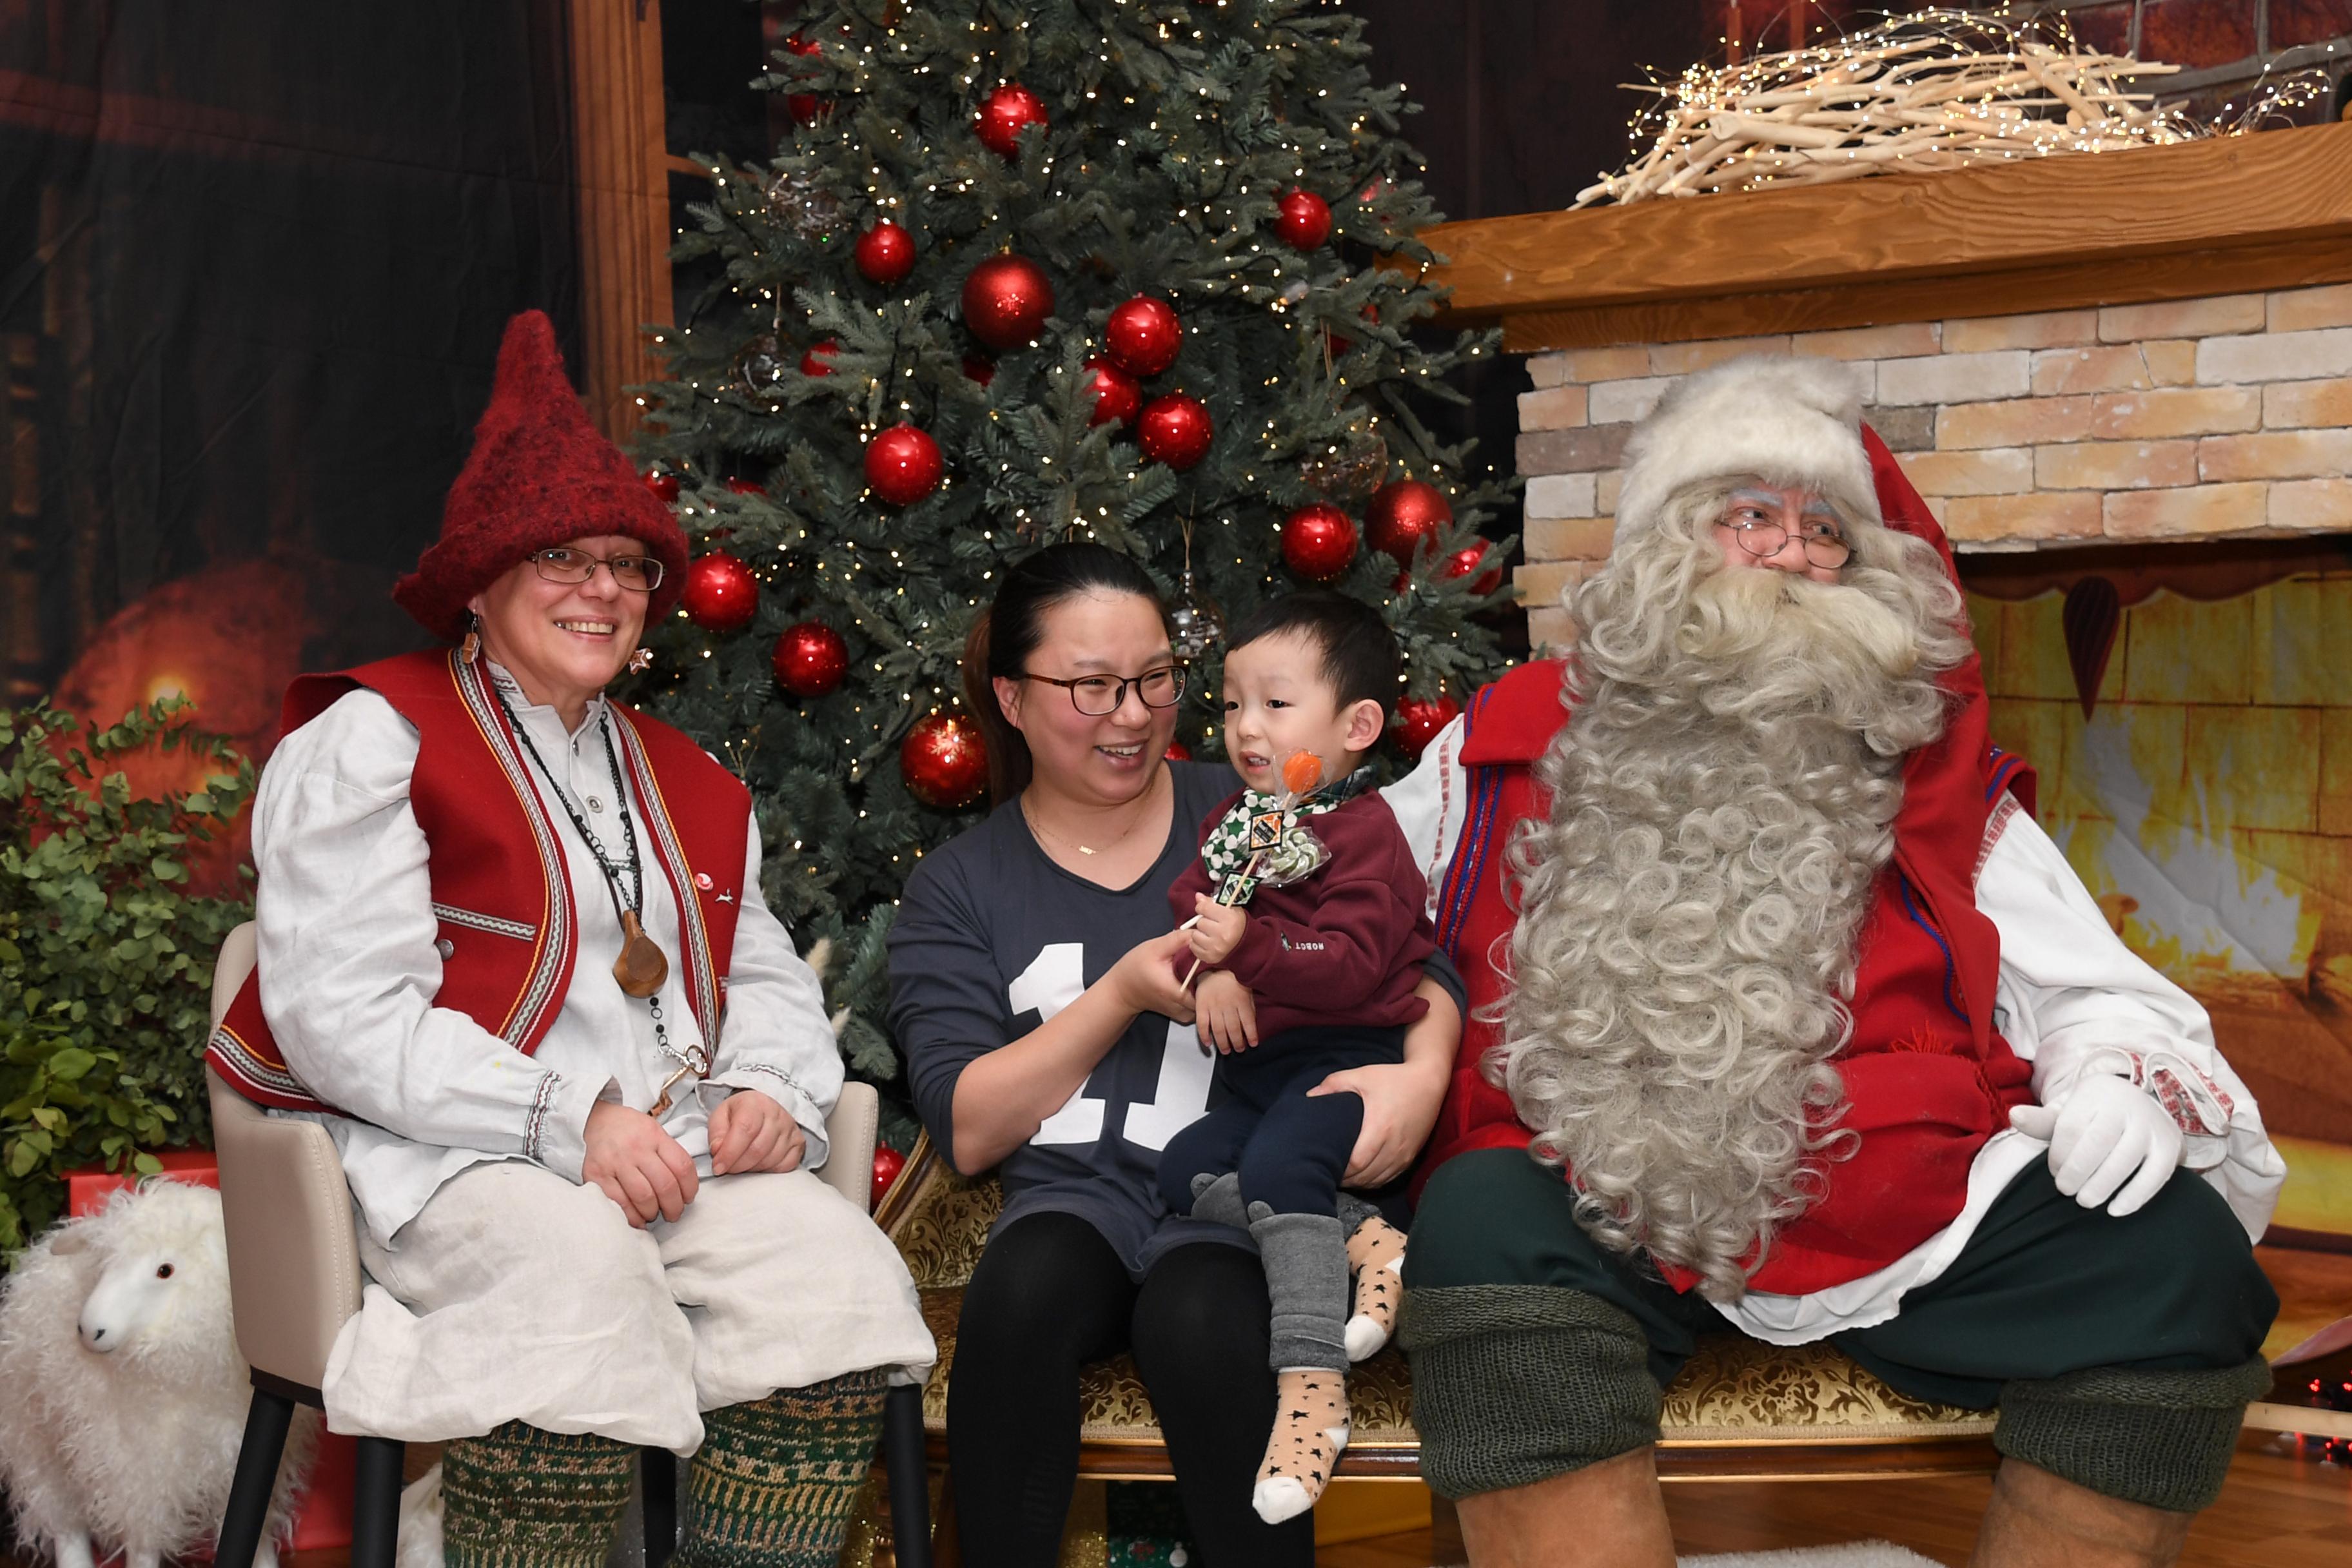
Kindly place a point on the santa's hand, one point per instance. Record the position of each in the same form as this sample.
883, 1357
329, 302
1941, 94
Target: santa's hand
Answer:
1216, 929
2102, 1133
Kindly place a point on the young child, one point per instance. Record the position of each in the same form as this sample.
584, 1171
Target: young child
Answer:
1297, 980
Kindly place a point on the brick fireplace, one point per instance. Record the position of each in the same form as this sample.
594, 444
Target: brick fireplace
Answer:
2124, 383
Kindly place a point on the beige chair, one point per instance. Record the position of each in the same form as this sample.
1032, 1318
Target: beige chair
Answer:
294, 1277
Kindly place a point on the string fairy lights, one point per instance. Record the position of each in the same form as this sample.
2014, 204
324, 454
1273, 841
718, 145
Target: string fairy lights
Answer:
1938, 89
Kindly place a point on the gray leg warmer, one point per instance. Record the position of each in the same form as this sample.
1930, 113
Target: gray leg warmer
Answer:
1218, 1198
2161, 1438
1306, 1258
1516, 1384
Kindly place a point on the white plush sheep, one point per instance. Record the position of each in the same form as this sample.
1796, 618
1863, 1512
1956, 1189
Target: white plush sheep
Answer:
123, 1397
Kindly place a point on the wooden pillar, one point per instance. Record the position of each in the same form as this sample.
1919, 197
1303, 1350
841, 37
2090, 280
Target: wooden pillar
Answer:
618, 163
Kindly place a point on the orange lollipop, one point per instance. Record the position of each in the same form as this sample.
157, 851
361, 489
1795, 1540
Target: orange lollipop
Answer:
1303, 773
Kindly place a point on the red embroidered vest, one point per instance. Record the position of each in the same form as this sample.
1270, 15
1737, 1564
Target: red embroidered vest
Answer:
1927, 1077
502, 891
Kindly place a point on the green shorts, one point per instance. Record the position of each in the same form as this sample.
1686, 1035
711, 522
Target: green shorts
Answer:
2121, 1352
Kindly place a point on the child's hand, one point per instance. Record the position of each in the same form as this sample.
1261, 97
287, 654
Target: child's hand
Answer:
1226, 1013
1216, 929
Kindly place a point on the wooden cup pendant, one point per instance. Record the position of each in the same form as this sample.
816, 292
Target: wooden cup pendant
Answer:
641, 968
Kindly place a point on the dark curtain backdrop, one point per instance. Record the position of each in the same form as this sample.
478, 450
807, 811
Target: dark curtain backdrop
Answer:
255, 257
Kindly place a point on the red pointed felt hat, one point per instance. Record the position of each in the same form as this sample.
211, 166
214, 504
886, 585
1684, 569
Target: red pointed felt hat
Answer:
540, 475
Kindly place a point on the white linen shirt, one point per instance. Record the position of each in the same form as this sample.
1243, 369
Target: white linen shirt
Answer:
348, 971
2072, 1000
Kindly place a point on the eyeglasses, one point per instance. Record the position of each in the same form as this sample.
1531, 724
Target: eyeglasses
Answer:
1098, 695
637, 574
1823, 545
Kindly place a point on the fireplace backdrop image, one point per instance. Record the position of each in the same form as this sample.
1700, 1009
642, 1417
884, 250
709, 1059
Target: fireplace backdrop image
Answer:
2191, 715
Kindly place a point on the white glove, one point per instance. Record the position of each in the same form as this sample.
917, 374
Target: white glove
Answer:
2099, 1135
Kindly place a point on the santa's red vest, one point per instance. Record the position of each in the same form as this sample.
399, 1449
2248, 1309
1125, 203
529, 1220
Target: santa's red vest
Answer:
502, 890
1927, 1077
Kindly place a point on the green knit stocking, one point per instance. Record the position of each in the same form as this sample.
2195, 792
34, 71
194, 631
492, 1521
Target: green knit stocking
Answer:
777, 1479
525, 1498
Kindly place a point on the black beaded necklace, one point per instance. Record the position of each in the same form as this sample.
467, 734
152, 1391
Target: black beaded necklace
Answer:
642, 967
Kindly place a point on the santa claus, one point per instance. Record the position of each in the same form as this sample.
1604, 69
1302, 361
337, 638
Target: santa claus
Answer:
1787, 1019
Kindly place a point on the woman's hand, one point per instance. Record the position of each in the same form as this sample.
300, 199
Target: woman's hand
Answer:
1146, 980
636, 1165
1402, 1103
1216, 929
750, 1132
1227, 1012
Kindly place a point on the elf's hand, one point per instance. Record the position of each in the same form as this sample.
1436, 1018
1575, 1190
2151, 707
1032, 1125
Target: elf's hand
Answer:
750, 1132
2103, 1131
1226, 1013
1216, 929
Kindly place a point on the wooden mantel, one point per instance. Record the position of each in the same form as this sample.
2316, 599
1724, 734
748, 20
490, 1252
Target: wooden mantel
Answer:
2270, 210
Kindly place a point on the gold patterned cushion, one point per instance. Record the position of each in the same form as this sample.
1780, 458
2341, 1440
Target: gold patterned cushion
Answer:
1734, 1390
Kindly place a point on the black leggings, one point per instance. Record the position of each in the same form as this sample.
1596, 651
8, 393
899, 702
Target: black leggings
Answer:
1048, 1296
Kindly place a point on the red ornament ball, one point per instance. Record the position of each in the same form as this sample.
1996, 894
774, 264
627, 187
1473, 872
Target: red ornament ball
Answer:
664, 487
810, 658
818, 360
887, 1164
1303, 219
1004, 114
885, 253
944, 760
1180, 751
1143, 335
1465, 561
1175, 430
805, 107
1404, 516
1117, 395
1418, 719
903, 465
1318, 541
1006, 301
720, 594
978, 368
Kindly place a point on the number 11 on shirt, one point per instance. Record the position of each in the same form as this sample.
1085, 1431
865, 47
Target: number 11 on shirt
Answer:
1054, 980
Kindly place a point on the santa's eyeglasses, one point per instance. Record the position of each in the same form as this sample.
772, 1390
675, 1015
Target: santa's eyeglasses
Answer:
1764, 537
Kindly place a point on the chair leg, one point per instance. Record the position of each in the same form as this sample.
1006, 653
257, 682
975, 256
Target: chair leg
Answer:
375, 1502
657, 1491
267, 1420
903, 1462
947, 1544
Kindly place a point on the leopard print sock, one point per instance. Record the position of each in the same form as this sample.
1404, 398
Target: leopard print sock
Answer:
1376, 1254
1311, 1429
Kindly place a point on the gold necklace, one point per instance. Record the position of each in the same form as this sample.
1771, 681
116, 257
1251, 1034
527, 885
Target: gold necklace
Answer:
1143, 807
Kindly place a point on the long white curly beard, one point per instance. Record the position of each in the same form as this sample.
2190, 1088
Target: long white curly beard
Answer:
1723, 797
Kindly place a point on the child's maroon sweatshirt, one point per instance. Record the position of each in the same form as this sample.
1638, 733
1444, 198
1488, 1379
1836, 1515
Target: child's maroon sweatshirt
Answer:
1342, 946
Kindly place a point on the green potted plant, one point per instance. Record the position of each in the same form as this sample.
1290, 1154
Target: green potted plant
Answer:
106, 945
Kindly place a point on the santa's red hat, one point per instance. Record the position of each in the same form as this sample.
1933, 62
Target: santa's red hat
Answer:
540, 475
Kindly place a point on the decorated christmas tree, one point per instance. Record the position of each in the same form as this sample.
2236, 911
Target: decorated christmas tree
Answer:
1139, 271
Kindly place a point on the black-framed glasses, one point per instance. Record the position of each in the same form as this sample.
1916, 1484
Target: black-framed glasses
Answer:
1763, 538
637, 573
1098, 695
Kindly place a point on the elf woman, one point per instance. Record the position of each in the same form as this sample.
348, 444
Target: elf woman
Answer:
514, 956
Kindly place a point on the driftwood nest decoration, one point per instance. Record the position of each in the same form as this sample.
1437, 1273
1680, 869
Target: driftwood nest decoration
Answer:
1936, 89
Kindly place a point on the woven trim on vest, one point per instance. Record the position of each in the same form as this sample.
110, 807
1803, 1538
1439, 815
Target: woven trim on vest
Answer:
2161, 1438
522, 1496
1516, 1384
775, 1481
701, 972
551, 964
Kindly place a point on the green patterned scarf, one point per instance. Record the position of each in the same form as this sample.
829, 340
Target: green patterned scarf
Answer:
1261, 824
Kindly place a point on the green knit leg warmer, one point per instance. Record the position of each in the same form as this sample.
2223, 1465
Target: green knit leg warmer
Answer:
776, 1479
2161, 1438
522, 1496
1516, 1383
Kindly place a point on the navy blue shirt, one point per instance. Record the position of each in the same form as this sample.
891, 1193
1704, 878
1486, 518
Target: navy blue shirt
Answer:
992, 939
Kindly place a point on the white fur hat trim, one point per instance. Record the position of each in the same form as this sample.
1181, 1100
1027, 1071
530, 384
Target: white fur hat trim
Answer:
1787, 421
